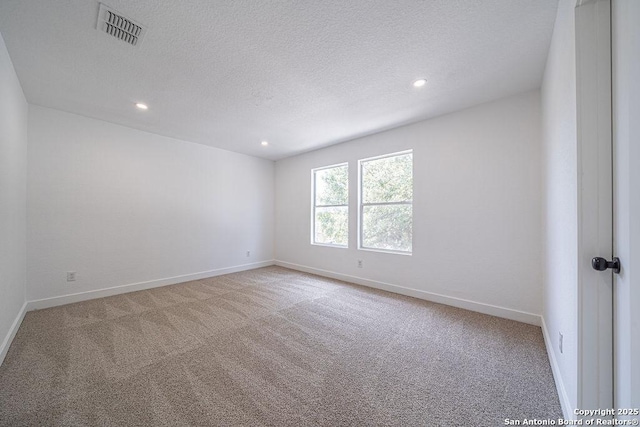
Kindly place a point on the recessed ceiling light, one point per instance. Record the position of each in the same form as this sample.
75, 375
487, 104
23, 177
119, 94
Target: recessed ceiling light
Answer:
141, 106
420, 82
264, 143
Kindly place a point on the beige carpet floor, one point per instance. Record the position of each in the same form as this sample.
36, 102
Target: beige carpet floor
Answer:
272, 347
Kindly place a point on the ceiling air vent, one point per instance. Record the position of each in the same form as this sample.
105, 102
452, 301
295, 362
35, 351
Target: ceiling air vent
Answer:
116, 25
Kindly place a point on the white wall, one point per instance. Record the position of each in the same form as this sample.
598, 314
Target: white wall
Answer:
121, 206
476, 209
626, 140
560, 204
13, 194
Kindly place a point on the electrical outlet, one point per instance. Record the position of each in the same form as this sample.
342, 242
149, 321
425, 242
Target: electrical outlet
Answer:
248, 254
560, 341
71, 276
359, 263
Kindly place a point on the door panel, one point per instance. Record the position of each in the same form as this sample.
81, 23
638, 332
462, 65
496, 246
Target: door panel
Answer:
595, 218
626, 144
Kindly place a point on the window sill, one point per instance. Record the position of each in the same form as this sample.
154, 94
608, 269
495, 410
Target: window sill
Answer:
386, 251
329, 245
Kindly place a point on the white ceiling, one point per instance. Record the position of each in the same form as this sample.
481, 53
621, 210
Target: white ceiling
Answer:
301, 74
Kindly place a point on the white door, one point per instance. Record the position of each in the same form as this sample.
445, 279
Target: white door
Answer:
608, 89
626, 144
595, 205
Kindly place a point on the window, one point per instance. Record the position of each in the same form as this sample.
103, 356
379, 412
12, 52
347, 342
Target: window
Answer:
331, 205
386, 203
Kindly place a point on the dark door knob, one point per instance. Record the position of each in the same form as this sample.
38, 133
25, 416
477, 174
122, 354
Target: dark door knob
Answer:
602, 264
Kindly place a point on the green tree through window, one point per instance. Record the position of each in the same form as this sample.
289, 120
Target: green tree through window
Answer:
386, 202
331, 205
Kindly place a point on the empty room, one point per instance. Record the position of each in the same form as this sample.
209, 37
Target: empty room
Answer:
319, 213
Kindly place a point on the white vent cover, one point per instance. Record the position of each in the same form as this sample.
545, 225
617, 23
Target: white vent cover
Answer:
116, 25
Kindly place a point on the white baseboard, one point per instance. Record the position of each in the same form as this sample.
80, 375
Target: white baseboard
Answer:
493, 310
116, 290
4, 348
565, 403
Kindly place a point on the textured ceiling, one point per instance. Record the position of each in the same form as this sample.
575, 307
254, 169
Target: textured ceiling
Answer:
301, 74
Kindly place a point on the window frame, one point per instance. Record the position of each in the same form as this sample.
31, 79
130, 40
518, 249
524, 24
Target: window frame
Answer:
314, 206
361, 204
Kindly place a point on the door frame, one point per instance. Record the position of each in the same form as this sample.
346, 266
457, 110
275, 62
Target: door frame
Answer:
595, 203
